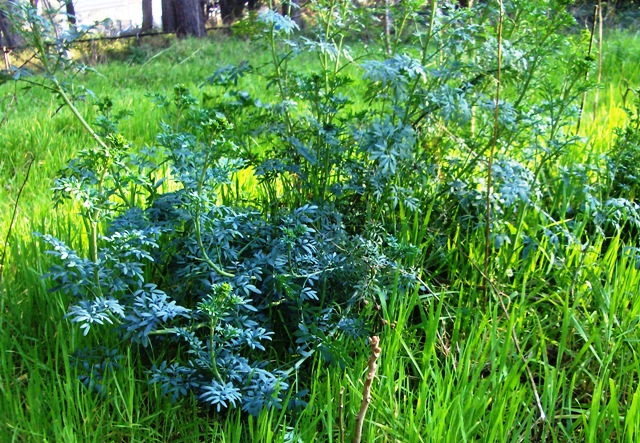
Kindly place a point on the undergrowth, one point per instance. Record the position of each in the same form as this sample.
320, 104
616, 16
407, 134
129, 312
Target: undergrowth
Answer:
223, 259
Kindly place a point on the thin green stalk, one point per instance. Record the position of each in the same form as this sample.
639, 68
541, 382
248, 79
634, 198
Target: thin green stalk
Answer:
327, 32
425, 54
494, 142
40, 47
198, 228
586, 74
77, 114
13, 218
600, 56
280, 80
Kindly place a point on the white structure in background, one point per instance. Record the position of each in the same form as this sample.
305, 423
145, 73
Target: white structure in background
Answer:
124, 14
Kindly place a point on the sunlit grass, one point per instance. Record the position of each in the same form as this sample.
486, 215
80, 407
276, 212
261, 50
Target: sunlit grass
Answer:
449, 371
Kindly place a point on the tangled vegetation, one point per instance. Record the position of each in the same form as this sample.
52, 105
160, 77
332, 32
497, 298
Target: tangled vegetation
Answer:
431, 190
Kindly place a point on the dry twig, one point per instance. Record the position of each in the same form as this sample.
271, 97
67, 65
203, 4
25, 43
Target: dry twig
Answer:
366, 397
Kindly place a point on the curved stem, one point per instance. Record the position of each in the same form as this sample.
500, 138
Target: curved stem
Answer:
205, 256
198, 229
60, 90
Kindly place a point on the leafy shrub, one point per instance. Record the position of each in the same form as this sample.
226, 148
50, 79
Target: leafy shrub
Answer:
625, 158
357, 196
222, 290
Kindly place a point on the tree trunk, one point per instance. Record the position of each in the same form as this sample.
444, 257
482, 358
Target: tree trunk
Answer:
147, 15
226, 11
71, 13
231, 10
168, 16
189, 18
292, 9
8, 37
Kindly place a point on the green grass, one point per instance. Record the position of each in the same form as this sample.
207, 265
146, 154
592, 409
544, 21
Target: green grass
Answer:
620, 71
450, 371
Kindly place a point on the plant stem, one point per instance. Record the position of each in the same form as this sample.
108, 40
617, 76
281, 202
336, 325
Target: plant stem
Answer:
586, 74
205, 256
599, 75
198, 229
280, 80
494, 142
423, 61
59, 89
341, 414
13, 218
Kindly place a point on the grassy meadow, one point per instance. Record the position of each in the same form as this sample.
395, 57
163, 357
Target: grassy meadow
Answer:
449, 371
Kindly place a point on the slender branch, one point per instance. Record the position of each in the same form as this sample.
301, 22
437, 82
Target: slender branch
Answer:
13, 217
205, 256
488, 282
40, 85
423, 62
516, 342
280, 77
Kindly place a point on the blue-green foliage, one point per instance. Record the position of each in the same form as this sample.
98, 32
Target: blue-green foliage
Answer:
209, 283
234, 291
625, 157
96, 364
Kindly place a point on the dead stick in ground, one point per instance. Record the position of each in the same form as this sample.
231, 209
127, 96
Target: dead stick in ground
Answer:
7, 60
366, 397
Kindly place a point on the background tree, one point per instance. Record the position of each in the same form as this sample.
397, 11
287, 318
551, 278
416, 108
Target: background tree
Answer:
231, 10
71, 12
184, 17
8, 37
168, 16
292, 9
147, 15
189, 18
